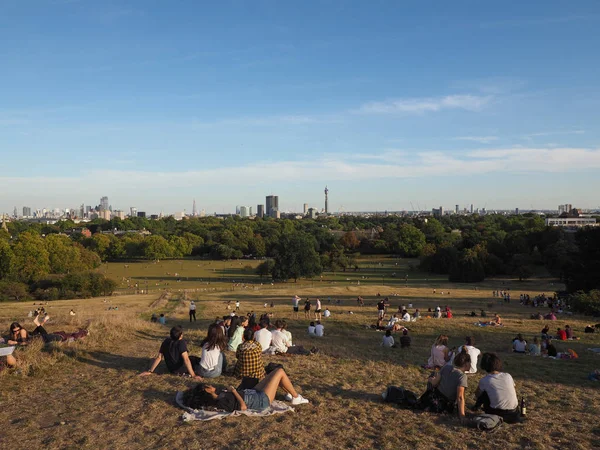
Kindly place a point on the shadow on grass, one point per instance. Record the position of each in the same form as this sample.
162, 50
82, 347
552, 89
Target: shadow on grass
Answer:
105, 360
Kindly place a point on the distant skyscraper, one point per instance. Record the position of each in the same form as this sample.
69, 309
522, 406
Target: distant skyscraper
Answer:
243, 211
471, 208
272, 202
104, 204
456, 209
517, 211
566, 208
260, 211
237, 210
26, 211
133, 211
194, 210
326, 200
141, 214
250, 211
305, 208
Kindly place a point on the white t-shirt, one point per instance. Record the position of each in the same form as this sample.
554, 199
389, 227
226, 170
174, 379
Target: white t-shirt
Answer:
473, 353
326, 313
318, 304
519, 346
388, 341
392, 321
263, 337
210, 358
319, 329
192, 307
311, 330
279, 341
289, 337
406, 317
295, 301
500, 387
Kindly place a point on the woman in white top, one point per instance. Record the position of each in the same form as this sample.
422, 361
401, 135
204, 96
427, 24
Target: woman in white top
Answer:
472, 351
496, 391
212, 362
439, 353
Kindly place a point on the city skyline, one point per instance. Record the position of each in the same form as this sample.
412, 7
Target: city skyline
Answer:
153, 104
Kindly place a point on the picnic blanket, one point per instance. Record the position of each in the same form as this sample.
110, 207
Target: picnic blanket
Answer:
595, 350
190, 414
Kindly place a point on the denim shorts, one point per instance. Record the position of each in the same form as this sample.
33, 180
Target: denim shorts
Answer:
256, 400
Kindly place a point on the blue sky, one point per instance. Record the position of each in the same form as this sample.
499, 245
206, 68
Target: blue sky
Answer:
155, 103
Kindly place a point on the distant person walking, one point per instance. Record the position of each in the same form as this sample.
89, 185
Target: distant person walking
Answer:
318, 309
381, 309
295, 302
192, 310
237, 305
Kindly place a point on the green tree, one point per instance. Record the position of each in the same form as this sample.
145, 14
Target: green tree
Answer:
63, 255
349, 240
265, 268
156, 247
521, 266
30, 261
410, 241
6, 258
296, 257
100, 243
12, 290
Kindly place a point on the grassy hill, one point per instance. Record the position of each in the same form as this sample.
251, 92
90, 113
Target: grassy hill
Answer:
87, 395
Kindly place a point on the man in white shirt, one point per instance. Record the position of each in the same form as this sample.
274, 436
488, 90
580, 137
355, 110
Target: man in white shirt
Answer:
472, 351
405, 316
326, 313
318, 309
319, 329
192, 310
263, 336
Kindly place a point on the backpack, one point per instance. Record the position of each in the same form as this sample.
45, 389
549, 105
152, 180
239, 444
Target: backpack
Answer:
400, 396
487, 422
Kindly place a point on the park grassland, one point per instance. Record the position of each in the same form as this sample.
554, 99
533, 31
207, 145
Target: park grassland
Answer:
87, 395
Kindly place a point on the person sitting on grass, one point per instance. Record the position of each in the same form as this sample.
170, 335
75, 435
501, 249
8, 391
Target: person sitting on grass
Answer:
281, 341
319, 329
405, 339
388, 340
545, 332
263, 335
439, 353
569, 332
496, 391
473, 352
162, 319
447, 387
249, 358
496, 321
561, 334
535, 348
550, 349
312, 329
393, 320
405, 316
174, 352
519, 344
236, 331
212, 361
258, 399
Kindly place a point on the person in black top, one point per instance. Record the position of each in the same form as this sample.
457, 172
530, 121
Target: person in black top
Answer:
175, 354
381, 309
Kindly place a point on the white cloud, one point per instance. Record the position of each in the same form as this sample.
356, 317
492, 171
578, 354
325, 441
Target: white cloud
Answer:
479, 139
429, 104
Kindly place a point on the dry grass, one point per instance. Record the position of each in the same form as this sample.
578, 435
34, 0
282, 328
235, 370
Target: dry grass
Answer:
91, 386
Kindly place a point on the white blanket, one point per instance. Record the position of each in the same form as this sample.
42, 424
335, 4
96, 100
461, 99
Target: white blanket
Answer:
190, 414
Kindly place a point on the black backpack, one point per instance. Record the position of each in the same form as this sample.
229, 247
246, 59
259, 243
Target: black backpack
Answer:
400, 396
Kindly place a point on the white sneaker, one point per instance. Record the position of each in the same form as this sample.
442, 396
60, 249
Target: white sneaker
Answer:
299, 400
288, 397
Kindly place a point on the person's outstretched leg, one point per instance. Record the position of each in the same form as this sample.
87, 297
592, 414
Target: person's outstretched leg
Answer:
272, 381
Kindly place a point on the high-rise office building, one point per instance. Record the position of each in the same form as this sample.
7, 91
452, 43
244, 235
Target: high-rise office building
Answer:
305, 208
104, 204
471, 208
272, 202
566, 208
249, 211
141, 214
243, 211
194, 209
133, 211
260, 211
26, 211
456, 209
517, 211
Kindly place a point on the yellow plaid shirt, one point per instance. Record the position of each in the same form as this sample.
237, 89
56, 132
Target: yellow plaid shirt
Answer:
249, 360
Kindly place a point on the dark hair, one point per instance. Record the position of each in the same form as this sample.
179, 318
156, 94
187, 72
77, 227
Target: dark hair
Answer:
405, 332
215, 338
463, 358
198, 398
176, 332
264, 324
388, 332
312, 324
279, 323
248, 334
15, 325
491, 363
520, 337
235, 322
226, 317
470, 340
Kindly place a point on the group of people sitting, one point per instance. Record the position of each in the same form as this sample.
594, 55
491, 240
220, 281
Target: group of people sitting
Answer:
446, 387
544, 345
212, 363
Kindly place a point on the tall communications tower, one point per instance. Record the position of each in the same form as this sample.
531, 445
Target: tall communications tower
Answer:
326, 201
194, 209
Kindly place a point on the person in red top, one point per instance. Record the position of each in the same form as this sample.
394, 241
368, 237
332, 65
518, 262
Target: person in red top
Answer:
449, 314
561, 334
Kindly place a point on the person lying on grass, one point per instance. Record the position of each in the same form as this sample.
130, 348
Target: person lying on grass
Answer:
205, 396
17, 335
20, 336
175, 354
